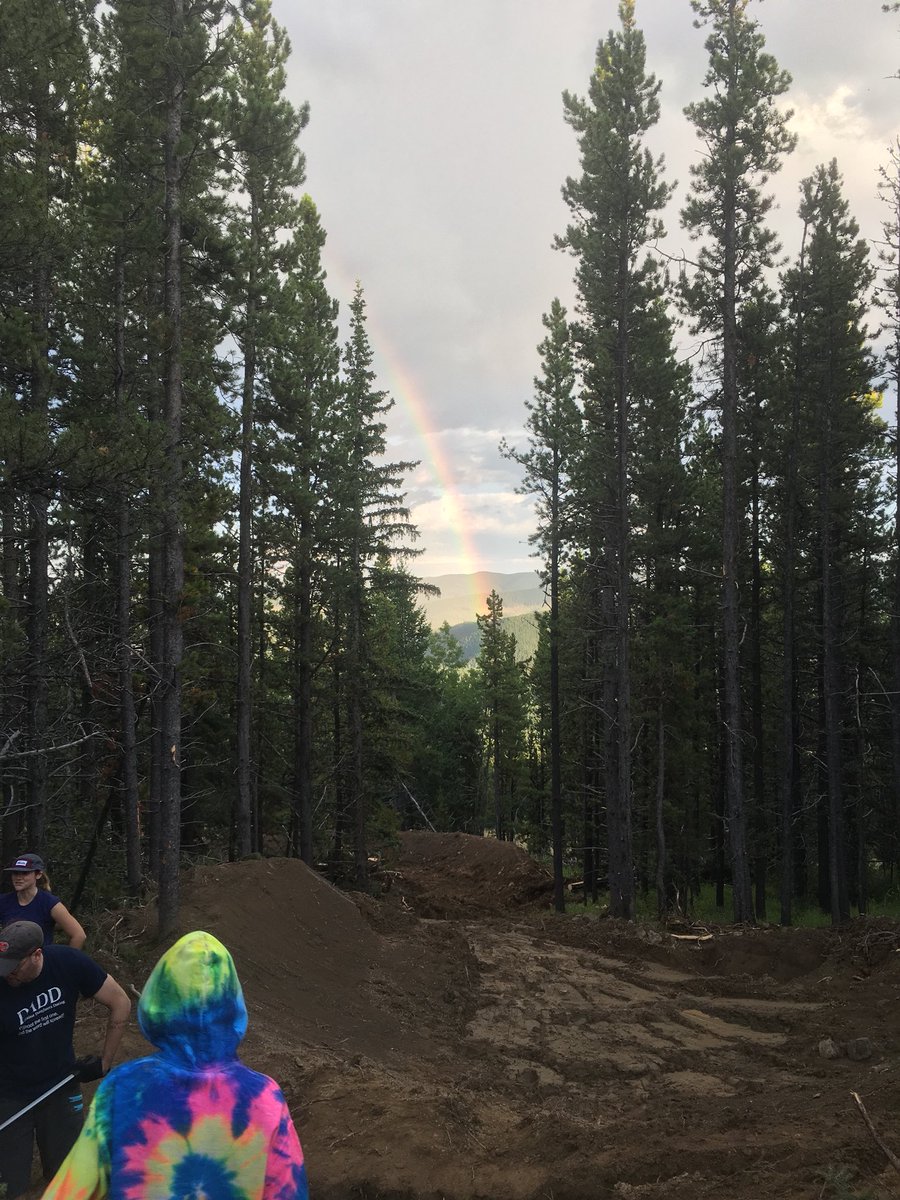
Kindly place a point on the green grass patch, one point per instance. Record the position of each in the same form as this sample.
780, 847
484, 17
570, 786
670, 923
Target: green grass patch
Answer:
884, 902
837, 1184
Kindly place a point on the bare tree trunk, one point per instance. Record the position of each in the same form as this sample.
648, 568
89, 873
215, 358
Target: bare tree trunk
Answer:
889, 187
11, 811
37, 588
760, 823
155, 619
337, 759
127, 713
556, 810
720, 800
301, 816
610, 741
831, 682
895, 606
243, 806
731, 631
589, 775
862, 865
173, 549
621, 854
787, 775
262, 683
662, 901
355, 724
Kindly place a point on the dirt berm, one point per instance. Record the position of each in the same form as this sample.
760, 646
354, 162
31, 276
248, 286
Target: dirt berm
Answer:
457, 1039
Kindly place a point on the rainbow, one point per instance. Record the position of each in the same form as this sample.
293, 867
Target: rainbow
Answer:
405, 390
435, 461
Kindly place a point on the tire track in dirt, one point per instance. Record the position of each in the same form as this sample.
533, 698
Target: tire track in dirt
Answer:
497, 1052
569, 1024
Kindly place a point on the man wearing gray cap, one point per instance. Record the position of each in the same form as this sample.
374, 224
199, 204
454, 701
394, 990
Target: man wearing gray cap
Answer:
39, 990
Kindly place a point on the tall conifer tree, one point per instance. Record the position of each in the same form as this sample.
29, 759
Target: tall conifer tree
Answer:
268, 165
502, 699
554, 424
374, 520
843, 435
43, 66
614, 201
888, 298
299, 468
745, 137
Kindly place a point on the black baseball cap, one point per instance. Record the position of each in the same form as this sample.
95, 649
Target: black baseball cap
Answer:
17, 941
27, 862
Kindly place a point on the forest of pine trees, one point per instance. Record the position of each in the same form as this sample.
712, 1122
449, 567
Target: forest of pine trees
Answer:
211, 632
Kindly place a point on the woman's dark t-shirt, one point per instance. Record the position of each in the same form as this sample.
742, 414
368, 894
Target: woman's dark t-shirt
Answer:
37, 909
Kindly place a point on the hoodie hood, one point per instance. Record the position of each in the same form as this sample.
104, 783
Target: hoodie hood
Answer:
192, 1007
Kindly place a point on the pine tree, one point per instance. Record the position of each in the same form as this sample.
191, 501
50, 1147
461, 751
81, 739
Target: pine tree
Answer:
299, 468
762, 383
118, 228
267, 166
664, 662
614, 201
554, 424
835, 380
888, 297
449, 758
373, 521
501, 687
745, 137
43, 65
402, 680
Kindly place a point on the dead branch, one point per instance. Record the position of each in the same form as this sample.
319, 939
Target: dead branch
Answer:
88, 682
6, 753
417, 804
888, 1153
9, 741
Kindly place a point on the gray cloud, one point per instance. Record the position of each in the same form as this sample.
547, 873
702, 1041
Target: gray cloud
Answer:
436, 151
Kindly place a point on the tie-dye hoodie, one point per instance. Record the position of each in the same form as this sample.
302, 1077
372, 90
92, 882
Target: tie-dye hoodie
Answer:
191, 1122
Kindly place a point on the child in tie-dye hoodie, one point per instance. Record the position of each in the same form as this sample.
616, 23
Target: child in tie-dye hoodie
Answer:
191, 1122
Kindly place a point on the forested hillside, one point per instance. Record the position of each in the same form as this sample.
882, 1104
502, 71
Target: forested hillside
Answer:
523, 628
459, 598
213, 639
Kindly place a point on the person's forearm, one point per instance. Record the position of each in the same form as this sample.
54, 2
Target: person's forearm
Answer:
114, 1031
115, 1028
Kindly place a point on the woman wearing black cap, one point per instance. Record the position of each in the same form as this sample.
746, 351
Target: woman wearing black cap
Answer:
32, 900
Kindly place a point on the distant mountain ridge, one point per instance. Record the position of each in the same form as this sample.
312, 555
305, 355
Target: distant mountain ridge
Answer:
463, 597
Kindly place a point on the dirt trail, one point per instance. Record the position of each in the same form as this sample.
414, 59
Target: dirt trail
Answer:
490, 1050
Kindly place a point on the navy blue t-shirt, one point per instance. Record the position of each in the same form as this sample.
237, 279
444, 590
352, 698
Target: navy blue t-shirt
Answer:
37, 1020
37, 909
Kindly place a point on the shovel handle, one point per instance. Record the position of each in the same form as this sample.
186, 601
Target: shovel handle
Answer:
43, 1096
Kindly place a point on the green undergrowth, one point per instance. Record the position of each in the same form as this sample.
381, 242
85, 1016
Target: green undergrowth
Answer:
884, 902
837, 1184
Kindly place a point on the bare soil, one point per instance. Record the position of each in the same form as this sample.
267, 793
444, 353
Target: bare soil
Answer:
456, 1039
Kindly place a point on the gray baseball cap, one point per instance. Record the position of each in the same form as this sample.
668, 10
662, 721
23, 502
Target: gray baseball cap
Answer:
27, 862
17, 941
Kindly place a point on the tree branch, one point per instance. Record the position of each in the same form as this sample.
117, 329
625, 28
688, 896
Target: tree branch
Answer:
888, 1153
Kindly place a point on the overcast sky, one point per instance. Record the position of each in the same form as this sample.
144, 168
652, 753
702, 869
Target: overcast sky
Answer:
436, 151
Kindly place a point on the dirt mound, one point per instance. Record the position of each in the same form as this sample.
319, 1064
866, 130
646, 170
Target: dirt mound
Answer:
310, 957
457, 875
512, 1052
